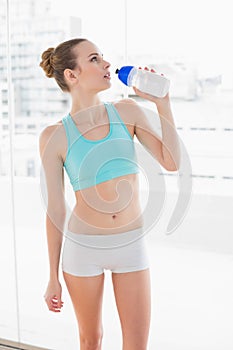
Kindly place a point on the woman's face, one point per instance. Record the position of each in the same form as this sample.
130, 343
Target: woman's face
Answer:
92, 70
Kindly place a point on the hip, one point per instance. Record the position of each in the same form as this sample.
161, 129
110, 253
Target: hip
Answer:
90, 255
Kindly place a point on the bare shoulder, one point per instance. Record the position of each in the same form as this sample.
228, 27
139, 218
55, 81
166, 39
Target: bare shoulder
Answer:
52, 137
128, 109
125, 104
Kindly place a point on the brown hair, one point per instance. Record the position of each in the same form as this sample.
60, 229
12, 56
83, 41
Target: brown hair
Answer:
56, 60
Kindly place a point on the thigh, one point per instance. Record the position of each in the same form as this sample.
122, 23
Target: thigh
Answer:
133, 299
87, 296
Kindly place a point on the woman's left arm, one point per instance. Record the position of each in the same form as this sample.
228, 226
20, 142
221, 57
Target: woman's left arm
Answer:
167, 148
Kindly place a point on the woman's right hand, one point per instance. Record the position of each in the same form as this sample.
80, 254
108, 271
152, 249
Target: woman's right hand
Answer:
53, 296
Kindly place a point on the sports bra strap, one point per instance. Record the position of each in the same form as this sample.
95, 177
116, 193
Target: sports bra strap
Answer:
116, 117
71, 133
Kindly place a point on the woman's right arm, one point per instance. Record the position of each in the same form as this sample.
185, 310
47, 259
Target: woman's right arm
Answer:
53, 192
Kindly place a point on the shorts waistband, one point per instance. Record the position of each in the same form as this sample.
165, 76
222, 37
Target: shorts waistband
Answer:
105, 241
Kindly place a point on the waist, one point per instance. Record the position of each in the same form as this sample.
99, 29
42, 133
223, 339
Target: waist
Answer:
92, 222
106, 241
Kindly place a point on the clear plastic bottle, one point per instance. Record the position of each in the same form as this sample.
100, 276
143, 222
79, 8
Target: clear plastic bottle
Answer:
152, 83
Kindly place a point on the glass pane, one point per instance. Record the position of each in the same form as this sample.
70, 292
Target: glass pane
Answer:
8, 300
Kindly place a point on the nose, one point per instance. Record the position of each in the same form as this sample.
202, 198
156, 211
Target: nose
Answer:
106, 64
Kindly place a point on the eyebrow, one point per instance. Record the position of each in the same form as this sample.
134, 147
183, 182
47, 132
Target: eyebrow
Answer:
95, 54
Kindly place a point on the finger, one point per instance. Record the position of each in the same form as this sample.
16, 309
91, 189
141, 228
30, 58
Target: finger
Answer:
146, 68
136, 90
152, 70
54, 309
53, 306
57, 302
53, 303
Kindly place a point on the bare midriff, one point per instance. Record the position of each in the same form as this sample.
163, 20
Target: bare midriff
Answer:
109, 207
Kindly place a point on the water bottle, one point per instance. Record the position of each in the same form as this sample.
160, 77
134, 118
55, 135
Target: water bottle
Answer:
146, 81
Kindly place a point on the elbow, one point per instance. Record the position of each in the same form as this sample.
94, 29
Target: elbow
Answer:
170, 160
171, 166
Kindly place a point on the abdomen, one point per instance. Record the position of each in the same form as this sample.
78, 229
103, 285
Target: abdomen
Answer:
109, 207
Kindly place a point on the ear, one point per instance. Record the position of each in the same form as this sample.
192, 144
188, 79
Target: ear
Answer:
70, 76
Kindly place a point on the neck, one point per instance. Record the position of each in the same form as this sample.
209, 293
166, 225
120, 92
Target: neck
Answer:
83, 101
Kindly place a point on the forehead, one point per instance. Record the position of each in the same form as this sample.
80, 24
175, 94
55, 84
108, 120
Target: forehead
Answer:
86, 48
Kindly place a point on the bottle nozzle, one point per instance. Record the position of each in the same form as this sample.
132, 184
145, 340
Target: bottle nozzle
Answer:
123, 73
117, 71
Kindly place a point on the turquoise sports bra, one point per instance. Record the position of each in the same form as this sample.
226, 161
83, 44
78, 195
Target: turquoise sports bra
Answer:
90, 162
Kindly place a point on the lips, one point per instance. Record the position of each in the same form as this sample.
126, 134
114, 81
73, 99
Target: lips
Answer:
107, 76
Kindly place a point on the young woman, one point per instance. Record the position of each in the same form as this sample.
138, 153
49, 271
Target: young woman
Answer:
94, 143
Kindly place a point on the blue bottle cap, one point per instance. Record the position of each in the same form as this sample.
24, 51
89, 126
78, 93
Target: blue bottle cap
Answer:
123, 73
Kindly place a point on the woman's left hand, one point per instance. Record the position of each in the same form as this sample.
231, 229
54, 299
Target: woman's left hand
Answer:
157, 100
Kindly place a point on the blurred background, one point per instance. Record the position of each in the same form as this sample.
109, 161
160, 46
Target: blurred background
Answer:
191, 269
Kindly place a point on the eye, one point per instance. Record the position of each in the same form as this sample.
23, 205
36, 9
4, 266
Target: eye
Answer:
94, 59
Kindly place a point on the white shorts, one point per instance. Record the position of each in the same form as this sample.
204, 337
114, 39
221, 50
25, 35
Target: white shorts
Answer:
90, 255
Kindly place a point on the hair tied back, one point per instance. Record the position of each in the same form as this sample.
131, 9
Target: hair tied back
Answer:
47, 62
